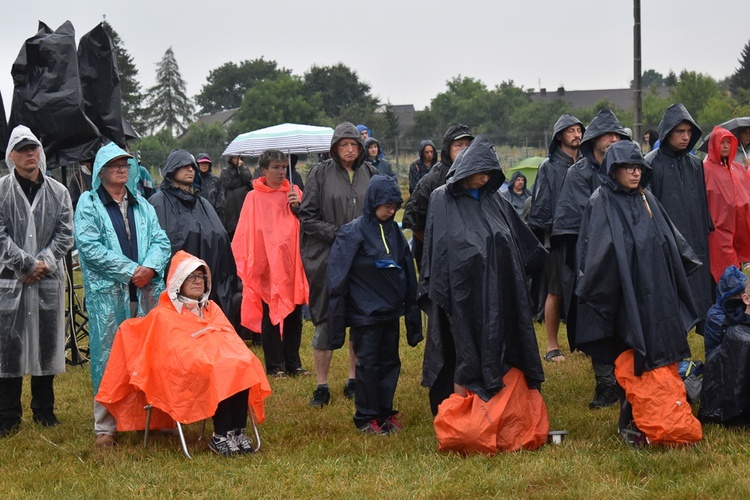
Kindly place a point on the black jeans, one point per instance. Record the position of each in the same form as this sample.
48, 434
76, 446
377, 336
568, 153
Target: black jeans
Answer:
377, 370
231, 413
282, 354
42, 397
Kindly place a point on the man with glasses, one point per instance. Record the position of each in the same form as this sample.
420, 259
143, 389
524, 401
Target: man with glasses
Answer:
123, 253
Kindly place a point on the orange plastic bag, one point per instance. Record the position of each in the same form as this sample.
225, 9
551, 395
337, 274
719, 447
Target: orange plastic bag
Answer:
515, 418
660, 407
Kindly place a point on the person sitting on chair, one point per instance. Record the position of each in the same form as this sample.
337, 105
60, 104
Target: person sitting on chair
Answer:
185, 359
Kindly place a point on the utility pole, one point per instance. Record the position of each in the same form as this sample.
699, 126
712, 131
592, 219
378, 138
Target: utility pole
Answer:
637, 83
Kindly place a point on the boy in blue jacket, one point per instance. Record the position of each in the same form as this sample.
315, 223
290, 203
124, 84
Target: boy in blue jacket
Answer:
372, 282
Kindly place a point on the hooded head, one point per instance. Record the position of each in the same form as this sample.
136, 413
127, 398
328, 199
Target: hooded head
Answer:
673, 116
561, 125
369, 142
479, 157
177, 159
422, 146
605, 122
24, 134
361, 128
718, 135
204, 158
181, 266
347, 130
106, 154
454, 132
515, 177
621, 154
382, 190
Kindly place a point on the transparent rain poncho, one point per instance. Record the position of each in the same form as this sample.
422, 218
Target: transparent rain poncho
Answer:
32, 316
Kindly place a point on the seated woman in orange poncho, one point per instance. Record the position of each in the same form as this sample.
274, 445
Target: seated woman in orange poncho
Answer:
186, 360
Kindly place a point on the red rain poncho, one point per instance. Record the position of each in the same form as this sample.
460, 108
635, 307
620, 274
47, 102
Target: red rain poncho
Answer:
180, 363
728, 192
266, 248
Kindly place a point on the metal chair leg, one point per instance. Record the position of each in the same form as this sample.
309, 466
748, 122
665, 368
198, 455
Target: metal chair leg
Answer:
148, 409
255, 426
182, 440
203, 429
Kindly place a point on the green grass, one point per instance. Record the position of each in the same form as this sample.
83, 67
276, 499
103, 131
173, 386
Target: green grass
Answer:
308, 452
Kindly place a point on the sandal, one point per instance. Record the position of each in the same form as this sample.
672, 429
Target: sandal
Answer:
278, 374
299, 372
554, 353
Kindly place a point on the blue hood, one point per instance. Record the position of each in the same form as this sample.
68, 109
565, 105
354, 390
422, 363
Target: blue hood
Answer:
381, 190
107, 153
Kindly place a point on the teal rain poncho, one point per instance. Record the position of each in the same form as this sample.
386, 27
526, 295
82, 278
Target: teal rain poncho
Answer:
106, 270
32, 317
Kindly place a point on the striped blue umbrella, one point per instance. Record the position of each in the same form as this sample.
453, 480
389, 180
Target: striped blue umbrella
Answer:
287, 137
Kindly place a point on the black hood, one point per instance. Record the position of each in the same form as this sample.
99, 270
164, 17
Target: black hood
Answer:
347, 130
368, 142
480, 156
381, 190
673, 116
561, 124
423, 145
515, 176
454, 131
205, 158
623, 153
177, 158
603, 123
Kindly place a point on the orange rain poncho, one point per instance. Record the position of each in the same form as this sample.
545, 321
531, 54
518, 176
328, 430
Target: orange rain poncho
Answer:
180, 363
266, 247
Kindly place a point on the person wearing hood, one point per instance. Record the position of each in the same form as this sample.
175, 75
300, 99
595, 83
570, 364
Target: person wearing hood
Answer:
334, 195
477, 251
364, 132
236, 181
36, 231
457, 137
563, 152
728, 199
730, 287
743, 148
517, 194
266, 248
211, 372
210, 185
580, 182
123, 253
193, 225
373, 284
374, 155
420, 167
632, 287
678, 182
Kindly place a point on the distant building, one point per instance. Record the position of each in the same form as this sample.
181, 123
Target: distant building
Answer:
405, 115
620, 98
223, 117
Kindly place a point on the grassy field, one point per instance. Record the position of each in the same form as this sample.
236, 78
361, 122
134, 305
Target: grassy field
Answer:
308, 452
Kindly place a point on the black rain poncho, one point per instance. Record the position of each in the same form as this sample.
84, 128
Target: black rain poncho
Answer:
473, 282
632, 285
373, 279
236, 182
678, 182
331, 199
192, 225
210, 186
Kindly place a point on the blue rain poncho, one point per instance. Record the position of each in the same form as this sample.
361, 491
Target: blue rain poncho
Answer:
106, 270
32, 316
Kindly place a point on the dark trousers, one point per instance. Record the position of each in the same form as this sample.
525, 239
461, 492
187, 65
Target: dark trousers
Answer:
42, 397
377, 370
282, 354
231, 414
604, 373
442, 388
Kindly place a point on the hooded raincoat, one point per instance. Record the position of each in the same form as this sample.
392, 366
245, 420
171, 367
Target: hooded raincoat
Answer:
679, 184
379, 162
332, 198
517, 200
180, 362
192, 225
266, 248
728, 198
632, 283
106, 269
731, 284
211, 185
374, 280
473, 282
32, 316
419, 168
236, 182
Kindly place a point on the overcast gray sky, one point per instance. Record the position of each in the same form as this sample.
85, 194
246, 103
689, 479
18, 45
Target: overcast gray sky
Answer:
407, 49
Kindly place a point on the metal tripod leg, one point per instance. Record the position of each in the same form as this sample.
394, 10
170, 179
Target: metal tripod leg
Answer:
255, 426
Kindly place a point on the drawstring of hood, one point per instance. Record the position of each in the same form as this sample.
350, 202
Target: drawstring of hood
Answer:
645, 202
385, 243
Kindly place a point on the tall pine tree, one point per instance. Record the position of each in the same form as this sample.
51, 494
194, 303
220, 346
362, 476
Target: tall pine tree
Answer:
132, 98
169, 107
740, 81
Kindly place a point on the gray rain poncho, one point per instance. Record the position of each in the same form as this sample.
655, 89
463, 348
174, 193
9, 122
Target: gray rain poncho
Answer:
32, 317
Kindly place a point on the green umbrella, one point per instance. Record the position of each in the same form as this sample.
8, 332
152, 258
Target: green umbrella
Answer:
528, 167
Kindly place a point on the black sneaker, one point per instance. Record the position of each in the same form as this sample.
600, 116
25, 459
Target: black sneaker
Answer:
242, 441
633, 436
350, 389
46, 418
604, 396
392, 424
373, 428
321, 397
10, 426
223, 446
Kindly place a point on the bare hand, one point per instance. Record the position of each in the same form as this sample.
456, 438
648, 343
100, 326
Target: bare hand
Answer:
142, 276
40, 271
293, 199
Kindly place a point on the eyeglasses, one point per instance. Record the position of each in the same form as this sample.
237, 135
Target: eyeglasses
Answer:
632, 169
118, 166
192, 278
392, 206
